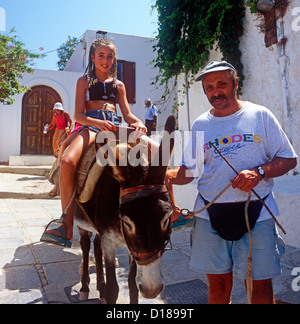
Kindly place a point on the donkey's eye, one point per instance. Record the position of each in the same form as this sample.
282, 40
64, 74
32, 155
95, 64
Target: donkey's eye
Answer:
128, 224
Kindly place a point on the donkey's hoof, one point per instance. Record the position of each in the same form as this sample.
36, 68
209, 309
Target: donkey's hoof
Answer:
83, 296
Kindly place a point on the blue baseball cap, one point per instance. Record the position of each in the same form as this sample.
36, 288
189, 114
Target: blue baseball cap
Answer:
215, 66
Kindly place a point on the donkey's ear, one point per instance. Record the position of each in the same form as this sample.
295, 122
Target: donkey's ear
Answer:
160, 163
170, 125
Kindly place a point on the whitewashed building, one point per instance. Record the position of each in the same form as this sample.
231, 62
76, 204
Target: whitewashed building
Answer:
21, 123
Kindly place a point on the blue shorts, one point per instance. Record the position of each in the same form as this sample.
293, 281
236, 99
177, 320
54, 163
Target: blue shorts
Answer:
102, 115
213, 255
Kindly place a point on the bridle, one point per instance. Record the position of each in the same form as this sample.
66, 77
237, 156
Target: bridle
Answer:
131, 194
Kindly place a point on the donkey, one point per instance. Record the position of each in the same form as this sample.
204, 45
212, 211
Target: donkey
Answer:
130, 205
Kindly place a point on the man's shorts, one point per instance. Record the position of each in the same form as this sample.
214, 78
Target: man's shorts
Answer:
213, 255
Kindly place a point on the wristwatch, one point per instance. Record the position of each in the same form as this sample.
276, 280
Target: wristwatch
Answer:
261, 171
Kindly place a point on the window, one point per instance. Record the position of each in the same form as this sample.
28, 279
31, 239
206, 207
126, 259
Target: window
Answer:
126, 74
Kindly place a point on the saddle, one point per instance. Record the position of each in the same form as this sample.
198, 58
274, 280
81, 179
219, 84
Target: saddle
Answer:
87, 175
89, 170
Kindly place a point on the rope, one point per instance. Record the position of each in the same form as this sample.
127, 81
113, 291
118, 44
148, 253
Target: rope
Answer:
249, 280
70, 203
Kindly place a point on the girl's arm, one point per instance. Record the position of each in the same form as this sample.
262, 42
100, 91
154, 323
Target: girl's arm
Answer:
80, 117
129, 117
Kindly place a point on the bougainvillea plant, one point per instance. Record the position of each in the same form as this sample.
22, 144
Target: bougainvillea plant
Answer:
14, 60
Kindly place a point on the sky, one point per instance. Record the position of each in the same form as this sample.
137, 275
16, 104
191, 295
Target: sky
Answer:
47, 24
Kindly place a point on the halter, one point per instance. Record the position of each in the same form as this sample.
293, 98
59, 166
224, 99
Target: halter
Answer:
130, 194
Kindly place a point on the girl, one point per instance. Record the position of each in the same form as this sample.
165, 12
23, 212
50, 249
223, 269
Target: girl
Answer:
97, 94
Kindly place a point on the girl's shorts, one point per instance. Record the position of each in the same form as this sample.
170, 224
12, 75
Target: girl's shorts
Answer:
102, 115
213, 255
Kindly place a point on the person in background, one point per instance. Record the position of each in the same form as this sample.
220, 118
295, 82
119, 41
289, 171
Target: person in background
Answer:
151, 117
64, 124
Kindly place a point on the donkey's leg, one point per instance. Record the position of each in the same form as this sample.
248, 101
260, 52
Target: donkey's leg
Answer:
99, 268
112, 287
133, 290
85, 243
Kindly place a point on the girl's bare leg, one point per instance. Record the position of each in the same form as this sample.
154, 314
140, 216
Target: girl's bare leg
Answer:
64, 146
67, 177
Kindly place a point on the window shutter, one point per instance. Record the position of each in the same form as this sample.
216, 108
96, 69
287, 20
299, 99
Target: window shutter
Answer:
129, 80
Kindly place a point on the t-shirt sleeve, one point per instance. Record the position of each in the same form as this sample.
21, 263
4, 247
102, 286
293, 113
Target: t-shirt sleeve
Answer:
154, 111
278, 144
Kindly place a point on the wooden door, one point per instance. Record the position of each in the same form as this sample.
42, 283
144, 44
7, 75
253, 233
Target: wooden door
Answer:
37, 110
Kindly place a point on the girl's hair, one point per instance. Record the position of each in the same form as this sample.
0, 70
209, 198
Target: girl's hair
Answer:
102, 42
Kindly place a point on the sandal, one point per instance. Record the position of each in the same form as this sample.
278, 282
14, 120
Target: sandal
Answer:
182, 222
57, 240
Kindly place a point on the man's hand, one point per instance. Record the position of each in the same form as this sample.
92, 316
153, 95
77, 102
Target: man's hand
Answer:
246, 180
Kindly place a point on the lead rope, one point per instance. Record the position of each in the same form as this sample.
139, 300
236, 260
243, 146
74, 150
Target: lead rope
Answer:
249, 280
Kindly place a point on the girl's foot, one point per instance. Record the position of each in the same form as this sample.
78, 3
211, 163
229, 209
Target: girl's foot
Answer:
57, 235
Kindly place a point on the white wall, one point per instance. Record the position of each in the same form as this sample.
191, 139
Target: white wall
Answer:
10, 122
272, 75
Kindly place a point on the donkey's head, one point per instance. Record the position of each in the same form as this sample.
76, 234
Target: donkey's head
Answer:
145, 205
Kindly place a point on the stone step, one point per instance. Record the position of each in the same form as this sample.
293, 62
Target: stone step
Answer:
31, 160
28, 170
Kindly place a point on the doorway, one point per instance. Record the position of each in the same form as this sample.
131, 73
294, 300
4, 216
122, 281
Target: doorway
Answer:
37, 110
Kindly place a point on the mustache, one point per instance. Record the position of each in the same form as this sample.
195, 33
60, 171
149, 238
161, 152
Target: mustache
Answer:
218, 98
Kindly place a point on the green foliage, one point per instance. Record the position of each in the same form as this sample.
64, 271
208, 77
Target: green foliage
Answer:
253, 5
189, 30
14, 60
65, 51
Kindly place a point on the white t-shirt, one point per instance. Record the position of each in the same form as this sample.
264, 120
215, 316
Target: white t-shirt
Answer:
250, 137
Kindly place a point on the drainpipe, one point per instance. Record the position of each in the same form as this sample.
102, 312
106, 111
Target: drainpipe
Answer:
283, 61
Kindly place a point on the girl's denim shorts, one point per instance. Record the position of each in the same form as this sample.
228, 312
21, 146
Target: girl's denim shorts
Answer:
102, 115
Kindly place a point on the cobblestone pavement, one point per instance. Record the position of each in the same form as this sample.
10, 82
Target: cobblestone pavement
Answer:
35, 272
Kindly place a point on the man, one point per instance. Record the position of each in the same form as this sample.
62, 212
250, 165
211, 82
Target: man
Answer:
151, 117
252, 140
